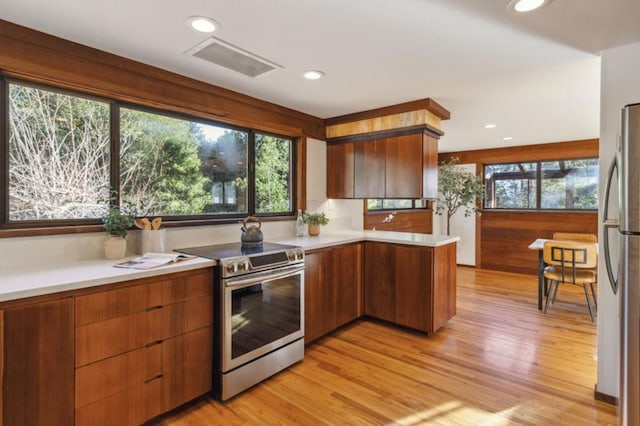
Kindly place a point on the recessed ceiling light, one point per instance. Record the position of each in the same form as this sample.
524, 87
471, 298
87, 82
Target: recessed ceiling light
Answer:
313, 74
507, 138
523, 6
489, 126
202, 24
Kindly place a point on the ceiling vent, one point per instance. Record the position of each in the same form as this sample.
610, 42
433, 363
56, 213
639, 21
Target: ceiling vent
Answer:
232, 57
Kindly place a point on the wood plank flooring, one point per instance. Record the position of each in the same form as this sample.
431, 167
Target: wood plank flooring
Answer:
499, 361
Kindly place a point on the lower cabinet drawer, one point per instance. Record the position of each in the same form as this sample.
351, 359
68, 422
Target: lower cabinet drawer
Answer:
132, 406
103, 379
104, 339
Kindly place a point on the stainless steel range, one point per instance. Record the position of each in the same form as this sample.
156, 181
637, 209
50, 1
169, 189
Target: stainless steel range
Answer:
259, 311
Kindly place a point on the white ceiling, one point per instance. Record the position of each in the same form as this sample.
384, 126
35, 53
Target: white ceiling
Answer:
536, 76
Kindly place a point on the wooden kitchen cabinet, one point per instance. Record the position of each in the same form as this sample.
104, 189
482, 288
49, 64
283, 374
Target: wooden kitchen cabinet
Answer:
340, 170
390, 164
413, 286
149, 342
333, 289
369, 175
36, 363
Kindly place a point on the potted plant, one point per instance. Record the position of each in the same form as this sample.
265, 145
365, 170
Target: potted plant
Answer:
457, 188
313, 221
116, 222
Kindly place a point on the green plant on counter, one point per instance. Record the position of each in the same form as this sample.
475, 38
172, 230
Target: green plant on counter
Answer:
116, 222
315, 218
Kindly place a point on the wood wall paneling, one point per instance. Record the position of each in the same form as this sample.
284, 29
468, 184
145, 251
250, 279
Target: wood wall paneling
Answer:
505, 236
502, 236
419, 220
40, 57
587, 148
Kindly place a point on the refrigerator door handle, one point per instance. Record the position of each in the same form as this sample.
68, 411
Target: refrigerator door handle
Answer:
607, 225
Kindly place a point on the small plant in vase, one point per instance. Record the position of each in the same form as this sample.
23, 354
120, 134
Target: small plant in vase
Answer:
116, 222
313, 221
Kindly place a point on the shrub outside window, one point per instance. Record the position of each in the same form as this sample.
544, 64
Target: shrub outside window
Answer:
552, 185
58, 155
167, 165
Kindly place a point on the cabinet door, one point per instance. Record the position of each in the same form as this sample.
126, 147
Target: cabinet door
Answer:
379, 281
38, 382
413, 287
187, 362
340, 170
429, 167
314, 297
403, 166
346, 283
370, 169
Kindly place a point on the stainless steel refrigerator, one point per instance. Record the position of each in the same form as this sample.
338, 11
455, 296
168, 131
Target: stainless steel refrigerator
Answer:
625, 277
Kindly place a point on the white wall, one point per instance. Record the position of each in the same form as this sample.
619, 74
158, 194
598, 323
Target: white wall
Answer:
464, 227
342, 214
620, 85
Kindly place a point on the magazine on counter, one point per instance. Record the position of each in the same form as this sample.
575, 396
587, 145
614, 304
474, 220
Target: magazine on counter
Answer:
153, 260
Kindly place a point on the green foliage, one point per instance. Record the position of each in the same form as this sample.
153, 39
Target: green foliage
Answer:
315, 218
58, 155
457, 188
160, 165
116, 221
272, 174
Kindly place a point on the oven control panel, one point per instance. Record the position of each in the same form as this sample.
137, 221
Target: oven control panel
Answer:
234, 266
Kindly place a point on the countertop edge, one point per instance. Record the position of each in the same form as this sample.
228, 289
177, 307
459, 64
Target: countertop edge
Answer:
102, 273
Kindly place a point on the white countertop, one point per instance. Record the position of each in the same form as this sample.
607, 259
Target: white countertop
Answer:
46, 279
23, 282
345, 237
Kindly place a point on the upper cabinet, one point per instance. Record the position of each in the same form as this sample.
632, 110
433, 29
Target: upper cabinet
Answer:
393, 165
389, 152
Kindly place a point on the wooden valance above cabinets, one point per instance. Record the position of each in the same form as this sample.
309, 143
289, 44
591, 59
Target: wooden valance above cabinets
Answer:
390, 152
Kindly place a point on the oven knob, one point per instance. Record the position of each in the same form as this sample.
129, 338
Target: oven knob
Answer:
243, 265
292, 255
299, 254
232, 267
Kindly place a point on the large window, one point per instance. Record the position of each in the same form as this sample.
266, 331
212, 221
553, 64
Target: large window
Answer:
58, 155
559, 184
381, 204
60, 167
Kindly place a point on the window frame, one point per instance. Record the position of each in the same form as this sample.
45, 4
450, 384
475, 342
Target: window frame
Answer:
54, 226
426, 206
538, 190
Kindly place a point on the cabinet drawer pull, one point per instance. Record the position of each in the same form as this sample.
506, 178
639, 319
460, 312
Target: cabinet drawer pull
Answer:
159, 376
153, 308
157, 342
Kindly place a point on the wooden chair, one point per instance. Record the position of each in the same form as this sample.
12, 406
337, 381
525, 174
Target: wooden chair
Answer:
569, 236
571, 263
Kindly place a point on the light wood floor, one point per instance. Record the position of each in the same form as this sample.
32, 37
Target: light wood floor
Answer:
499, 361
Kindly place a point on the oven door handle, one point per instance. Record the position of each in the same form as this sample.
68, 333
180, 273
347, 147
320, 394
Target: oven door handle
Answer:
262, 277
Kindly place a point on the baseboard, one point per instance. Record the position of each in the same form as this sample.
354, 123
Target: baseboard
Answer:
599, 396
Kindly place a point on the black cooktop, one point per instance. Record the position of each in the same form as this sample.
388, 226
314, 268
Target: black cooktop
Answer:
224, 251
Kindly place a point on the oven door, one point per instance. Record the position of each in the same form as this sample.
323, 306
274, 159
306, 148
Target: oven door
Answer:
261, 312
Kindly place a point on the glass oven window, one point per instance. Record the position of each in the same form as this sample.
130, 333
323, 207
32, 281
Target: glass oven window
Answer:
264, 313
